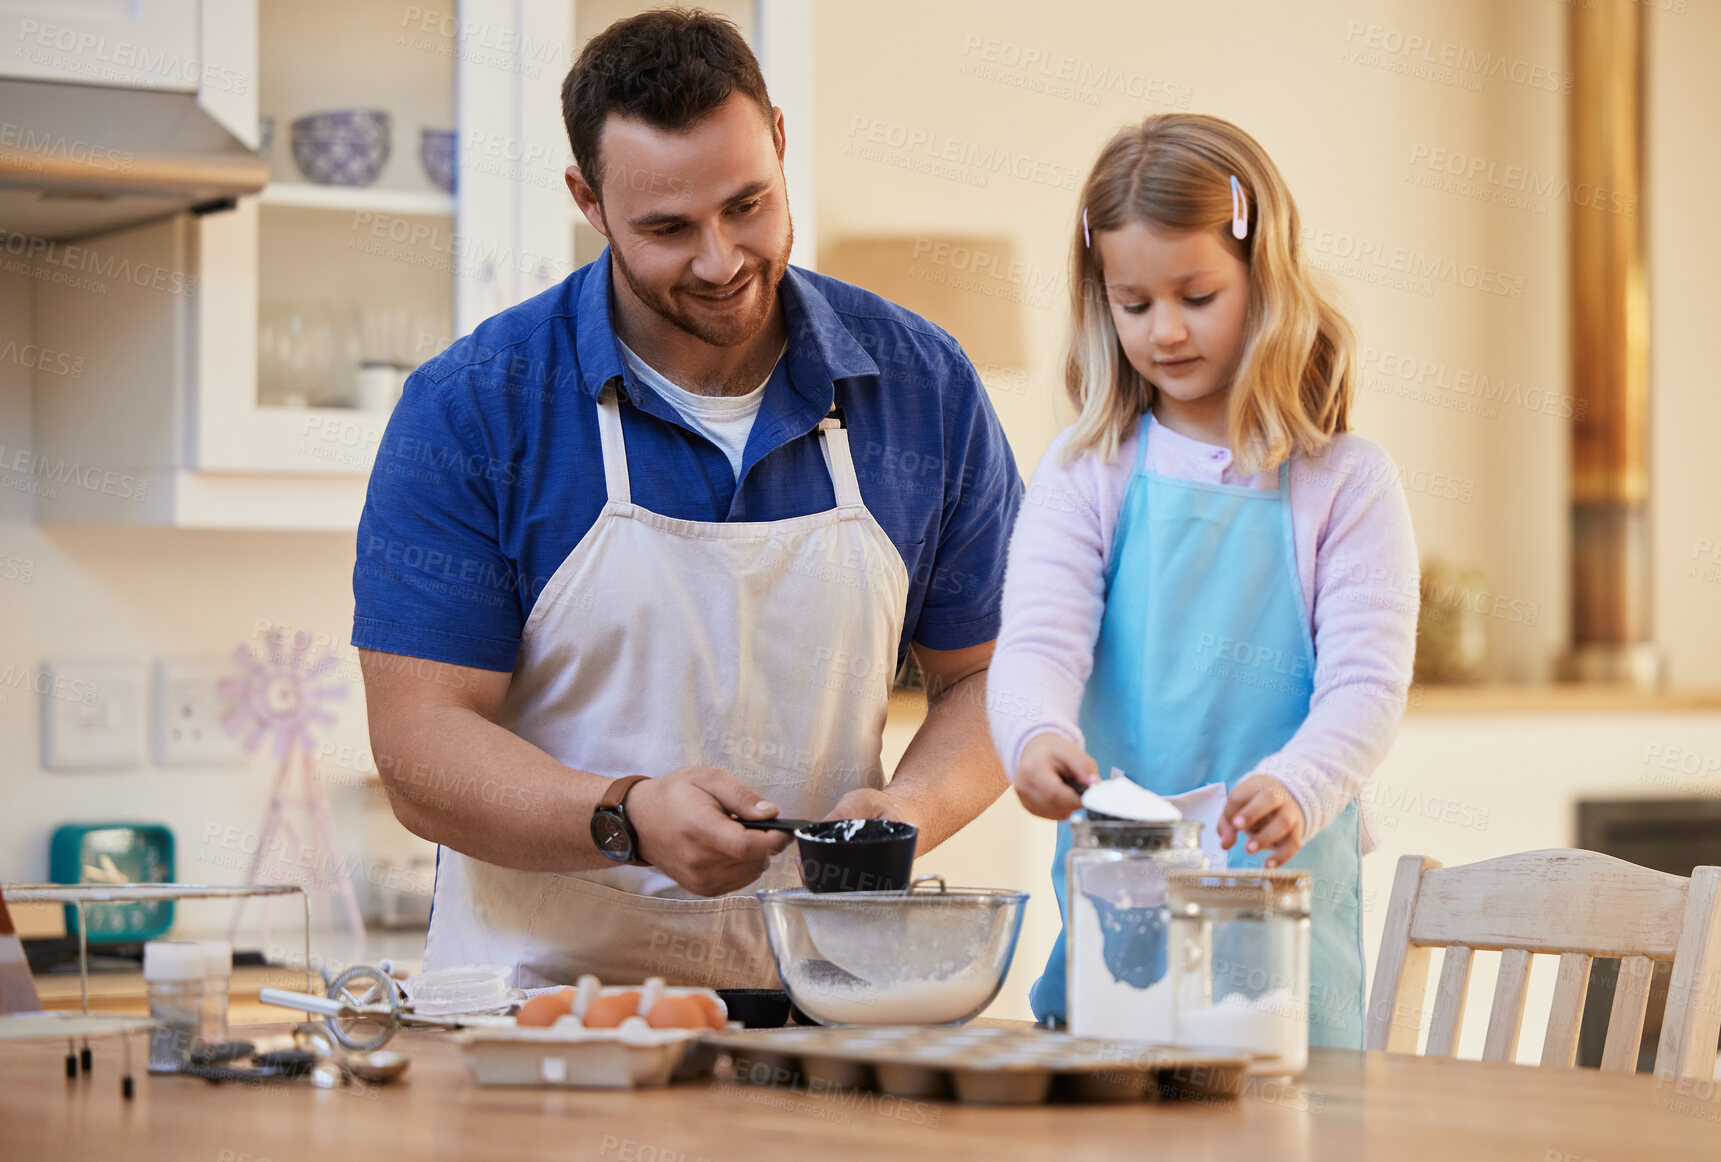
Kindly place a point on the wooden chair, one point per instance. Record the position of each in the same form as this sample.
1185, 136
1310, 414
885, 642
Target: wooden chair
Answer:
1577, 904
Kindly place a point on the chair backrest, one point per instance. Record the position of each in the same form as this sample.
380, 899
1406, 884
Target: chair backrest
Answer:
1574, 904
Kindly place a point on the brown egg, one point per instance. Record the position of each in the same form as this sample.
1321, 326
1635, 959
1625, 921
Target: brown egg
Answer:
676, 1013
543, 1010
712, 1008
609, 1011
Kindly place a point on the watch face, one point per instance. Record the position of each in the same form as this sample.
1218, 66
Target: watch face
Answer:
612, 837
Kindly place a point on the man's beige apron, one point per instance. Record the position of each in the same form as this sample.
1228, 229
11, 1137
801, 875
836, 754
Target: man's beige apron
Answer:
766, 648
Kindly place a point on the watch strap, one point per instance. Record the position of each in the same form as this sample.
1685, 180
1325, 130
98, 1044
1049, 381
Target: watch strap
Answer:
617, 791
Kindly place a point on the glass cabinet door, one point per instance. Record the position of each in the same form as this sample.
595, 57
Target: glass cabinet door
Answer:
393, 221
356, 245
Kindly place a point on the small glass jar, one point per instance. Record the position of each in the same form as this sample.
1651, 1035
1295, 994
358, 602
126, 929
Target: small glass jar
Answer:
217, 975
1117, 941
173, 978
1240, 964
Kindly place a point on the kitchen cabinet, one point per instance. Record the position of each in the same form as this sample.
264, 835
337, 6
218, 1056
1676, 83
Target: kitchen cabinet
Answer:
219, 354
178, 46
151, 45
244, 381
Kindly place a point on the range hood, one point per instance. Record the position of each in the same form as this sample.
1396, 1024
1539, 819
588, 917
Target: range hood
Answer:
83, 159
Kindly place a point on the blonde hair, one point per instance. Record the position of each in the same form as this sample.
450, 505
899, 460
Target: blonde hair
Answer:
1297, 372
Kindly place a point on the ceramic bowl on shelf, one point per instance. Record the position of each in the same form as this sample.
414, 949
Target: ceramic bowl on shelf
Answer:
343, 147
437, 153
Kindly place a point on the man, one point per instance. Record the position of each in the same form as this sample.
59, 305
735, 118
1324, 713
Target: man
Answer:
657, 541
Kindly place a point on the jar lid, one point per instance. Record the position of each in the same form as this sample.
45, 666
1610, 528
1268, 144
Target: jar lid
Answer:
1131, 835
167, 960
1283, 890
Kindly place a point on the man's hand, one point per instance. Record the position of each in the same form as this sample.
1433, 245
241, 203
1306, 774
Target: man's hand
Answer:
686, 831
1050, 761
1261, 807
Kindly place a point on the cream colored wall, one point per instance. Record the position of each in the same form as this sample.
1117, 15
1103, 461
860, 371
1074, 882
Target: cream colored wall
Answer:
1684, 258
1351, 138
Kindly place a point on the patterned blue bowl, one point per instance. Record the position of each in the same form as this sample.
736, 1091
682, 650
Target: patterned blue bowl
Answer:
436, 150
344, 147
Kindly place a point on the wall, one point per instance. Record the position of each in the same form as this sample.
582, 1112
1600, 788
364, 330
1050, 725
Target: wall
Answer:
1685, 109
1455, 173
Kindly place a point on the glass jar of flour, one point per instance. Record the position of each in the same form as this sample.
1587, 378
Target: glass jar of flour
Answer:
1240, 964
1118, 941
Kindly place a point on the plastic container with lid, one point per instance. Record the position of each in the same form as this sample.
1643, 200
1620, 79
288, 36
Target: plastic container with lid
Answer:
173, 972
1117, 942
1240, 964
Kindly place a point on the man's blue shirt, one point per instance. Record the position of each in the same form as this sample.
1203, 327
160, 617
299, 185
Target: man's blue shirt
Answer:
490, 470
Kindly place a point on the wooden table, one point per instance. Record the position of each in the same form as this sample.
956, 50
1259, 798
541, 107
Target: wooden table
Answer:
1348, 1105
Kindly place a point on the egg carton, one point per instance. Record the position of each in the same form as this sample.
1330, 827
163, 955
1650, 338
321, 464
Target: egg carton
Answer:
567, 1054
980, 1065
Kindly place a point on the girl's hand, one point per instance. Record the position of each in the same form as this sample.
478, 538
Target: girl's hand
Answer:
1050, 763
1261, 807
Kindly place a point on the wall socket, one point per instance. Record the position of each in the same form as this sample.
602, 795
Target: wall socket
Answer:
186, 728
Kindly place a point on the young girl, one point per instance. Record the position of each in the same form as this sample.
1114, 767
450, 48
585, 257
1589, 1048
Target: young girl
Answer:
1210, 581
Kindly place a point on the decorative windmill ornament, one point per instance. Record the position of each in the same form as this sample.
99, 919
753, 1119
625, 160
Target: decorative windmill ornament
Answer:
282, 696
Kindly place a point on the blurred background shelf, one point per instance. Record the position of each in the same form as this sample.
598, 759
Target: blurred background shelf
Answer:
304, 195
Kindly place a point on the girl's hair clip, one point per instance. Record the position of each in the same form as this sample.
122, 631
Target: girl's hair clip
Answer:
1239, 210
1087, 239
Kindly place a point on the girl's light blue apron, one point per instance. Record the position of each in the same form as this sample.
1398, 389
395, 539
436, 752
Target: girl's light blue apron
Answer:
1204, 666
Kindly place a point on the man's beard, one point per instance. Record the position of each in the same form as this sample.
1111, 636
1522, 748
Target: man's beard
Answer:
719, 332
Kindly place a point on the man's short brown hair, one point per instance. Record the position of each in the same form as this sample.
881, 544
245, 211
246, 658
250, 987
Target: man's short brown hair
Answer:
670, 68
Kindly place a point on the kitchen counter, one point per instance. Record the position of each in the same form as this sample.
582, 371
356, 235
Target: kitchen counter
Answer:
1348, 1105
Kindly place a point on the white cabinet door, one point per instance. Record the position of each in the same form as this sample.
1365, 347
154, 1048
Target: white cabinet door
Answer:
784, 42
512, 218
139, 44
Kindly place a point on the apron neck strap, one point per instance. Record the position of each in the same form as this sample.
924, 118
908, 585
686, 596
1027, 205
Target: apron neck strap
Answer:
1141, 443
615, 451
835, 445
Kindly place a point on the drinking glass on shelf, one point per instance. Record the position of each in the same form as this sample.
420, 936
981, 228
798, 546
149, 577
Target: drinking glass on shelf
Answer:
281, 377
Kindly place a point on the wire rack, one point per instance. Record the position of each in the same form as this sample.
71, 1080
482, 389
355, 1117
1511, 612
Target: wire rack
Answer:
80, 895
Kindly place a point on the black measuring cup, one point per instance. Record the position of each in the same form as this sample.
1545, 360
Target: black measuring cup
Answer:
850, 855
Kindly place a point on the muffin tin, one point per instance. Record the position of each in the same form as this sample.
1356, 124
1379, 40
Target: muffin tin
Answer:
980, 1065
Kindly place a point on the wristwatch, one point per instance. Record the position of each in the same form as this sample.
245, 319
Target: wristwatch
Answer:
612, 831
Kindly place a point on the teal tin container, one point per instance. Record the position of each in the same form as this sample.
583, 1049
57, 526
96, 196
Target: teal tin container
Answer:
115, 853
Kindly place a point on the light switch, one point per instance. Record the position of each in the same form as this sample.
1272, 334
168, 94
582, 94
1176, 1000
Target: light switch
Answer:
92, 713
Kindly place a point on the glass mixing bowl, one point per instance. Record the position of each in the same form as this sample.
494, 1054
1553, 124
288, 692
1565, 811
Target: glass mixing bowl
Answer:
929, 955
